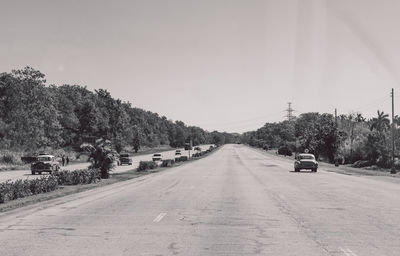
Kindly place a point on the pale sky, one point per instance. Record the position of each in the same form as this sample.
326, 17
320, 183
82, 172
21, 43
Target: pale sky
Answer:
224, 65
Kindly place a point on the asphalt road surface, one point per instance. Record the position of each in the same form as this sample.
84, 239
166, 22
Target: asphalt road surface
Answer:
26, 174
236, 201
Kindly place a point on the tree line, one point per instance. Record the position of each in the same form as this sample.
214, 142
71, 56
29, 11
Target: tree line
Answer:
350, 139
34, 116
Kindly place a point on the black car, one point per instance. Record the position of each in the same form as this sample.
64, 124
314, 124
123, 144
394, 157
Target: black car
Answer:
307, 162
124, 158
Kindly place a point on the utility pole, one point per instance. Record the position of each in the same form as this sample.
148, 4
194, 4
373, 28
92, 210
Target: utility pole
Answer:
336, 160
289, 111
393, 170
336, 117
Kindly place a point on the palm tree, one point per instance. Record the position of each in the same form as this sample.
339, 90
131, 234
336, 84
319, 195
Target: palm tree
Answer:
380, 123
102, 156
358, 118
397, 120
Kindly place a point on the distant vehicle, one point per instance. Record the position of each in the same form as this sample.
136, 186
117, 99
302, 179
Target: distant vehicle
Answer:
124, 158
44, 163
197, 148
157, 157
188, 147
306, 162
178, 154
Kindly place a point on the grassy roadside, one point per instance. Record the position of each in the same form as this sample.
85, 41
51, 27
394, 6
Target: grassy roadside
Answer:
341, 169
72, 189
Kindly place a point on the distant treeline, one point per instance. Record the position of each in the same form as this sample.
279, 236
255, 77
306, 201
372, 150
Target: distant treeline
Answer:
35, 116
350, 139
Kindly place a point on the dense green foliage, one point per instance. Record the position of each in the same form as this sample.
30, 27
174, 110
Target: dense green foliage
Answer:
352, 140
146, 165
82, 176
34, 116
11, 190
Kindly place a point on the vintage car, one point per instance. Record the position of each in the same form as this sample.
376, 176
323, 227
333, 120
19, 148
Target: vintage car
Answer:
124, 158
44, 163
157, 157
178, 154
306, 162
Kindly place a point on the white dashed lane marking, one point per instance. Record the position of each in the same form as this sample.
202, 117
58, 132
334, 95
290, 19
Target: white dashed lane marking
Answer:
160, 217
347, 251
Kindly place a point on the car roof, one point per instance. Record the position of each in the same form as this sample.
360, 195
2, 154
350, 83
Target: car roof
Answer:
306, 154
45, 156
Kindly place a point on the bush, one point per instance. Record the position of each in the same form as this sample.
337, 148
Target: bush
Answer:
11, 158
146, 165
21, 188
183, 158
168, 162
284, 150
82, 176
361, 163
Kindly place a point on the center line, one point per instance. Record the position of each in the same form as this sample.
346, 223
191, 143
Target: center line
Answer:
160, 217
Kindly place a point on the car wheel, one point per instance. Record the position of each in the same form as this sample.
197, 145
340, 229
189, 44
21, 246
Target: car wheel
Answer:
33, 173
314, 170
296, 170
40, 173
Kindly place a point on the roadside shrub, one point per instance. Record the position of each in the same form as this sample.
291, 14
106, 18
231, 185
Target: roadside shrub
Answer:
183, 158
11, 190
10, 158
82, 176
284, 150
146, 165
361, 163
265, 147
167, 163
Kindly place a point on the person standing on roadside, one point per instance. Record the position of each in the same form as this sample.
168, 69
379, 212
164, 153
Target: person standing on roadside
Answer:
63, 160
67, 159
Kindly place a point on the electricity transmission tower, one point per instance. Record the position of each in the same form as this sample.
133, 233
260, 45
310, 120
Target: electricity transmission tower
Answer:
289, 111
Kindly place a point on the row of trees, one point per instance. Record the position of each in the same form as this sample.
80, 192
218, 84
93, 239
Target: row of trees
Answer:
35, 116
350, 138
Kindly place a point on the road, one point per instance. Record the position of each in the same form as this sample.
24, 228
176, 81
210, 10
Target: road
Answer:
26, 174
236, 201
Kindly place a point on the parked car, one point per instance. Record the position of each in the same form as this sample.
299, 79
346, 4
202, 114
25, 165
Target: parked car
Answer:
124, 158
157, 157
306, 162
178, 154
44, 163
